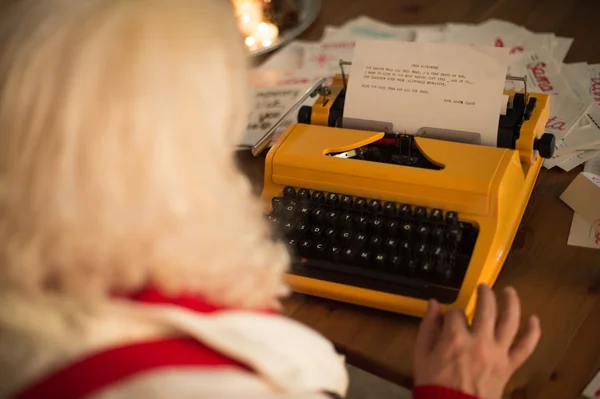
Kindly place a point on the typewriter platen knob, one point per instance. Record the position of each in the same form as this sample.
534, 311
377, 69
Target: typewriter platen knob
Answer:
545, 145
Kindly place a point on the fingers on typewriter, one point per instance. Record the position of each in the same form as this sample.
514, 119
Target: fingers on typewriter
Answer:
373, 240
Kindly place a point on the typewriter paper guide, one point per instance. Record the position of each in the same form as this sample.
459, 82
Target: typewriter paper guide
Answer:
416, 85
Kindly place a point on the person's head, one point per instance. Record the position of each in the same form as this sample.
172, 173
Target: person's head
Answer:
118, 120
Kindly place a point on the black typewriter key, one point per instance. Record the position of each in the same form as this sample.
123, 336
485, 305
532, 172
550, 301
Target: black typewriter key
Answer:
292, 245
346, 220
332, 199
303, 195
289, 192
375, 243
334, 252
405, 248
360, 222
436, 215
349, 255
443, 267
444, 271
347, 201
379, 260
394, 263
364, 258
318, 215
316, 232
374, 206
302, 227
305, 246
406, 230
330, 234
289, 211
438, 253
360, 239
405, 211
303, 211
451, 218
288, 228
318, 196
422, 251
360, 204
345, 237
331, 218
437, 235
411, 267
423, 232
390, 244
320, 249
420, 212
455, 234
389, 208
426, 267
390, 226
274, 219
375, 224
277, 204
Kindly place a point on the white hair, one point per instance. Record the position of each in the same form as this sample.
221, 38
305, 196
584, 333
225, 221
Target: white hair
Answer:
118, 120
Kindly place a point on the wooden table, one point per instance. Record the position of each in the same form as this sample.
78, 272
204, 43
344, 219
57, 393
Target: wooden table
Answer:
559, 283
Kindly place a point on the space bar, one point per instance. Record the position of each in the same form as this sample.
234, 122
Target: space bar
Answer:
360, 272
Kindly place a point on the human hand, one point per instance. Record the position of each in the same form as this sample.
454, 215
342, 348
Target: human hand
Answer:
477, 360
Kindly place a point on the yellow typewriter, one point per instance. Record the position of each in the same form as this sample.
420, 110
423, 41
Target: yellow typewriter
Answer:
389, 221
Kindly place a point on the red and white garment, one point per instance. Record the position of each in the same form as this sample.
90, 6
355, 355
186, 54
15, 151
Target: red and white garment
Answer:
157, 347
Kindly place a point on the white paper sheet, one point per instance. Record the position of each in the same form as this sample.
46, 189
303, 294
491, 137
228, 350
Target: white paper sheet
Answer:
365, 27
500, 34
593, 166
428, 85
581, 138
594, 82
558, 159
582, 234
330, 33
326, 57
574, 162
560, 48
576, 75
288, 57
592, 390
430, 35
499, 25
270, 103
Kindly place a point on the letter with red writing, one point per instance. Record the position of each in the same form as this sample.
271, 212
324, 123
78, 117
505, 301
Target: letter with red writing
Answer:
592, 391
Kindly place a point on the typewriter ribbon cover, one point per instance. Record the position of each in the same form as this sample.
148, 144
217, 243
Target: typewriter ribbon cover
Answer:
414, 88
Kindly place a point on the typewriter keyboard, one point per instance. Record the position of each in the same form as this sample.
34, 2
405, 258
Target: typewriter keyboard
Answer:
384, 246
